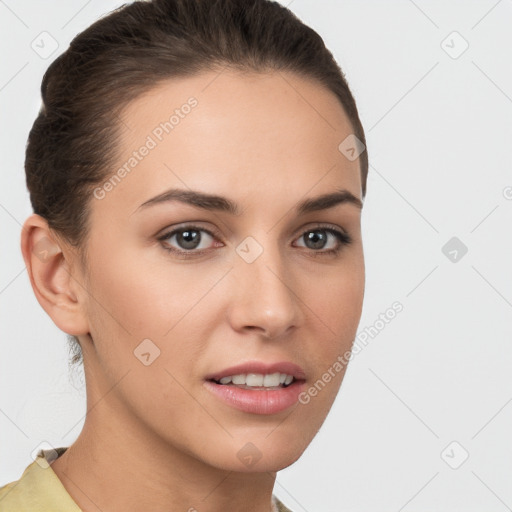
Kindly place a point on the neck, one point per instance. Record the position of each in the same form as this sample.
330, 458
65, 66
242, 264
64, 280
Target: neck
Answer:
105, 471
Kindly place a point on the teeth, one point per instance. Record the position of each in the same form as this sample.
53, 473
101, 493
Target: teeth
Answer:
254, 379
238, 379
270, 380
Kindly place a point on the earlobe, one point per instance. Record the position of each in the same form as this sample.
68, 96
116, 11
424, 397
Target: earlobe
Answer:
51, 275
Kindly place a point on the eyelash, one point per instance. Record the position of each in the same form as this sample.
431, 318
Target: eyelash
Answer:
344, 239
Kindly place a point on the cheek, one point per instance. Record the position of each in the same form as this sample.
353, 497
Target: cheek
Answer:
168, 304
144, 299
337, 304
338, 299
339, 311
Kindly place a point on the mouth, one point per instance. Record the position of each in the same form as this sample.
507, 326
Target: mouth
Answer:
258, 388
257, 381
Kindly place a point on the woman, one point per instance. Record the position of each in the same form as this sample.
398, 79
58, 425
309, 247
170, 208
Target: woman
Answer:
197, 173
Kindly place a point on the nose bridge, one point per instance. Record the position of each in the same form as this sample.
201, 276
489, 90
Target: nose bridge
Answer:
265, 297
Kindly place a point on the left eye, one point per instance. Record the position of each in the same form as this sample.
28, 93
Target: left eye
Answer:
317, 238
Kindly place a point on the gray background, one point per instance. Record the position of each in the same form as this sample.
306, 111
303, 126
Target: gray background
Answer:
431, 387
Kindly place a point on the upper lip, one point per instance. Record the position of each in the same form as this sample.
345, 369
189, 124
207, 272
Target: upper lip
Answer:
260, 367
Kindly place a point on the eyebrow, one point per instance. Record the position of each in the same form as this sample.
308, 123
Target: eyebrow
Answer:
223, 204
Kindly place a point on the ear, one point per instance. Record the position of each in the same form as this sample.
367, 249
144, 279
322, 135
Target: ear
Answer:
51, 268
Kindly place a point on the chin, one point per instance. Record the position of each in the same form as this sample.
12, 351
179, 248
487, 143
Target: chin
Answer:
258, 454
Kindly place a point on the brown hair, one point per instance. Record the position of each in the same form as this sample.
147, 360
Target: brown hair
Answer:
72, 145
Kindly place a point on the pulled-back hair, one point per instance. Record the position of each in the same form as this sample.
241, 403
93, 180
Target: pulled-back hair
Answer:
72, 145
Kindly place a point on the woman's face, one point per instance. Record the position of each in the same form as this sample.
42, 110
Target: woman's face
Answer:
168, 312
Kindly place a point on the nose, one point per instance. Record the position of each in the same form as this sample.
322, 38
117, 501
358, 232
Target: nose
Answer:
263, 298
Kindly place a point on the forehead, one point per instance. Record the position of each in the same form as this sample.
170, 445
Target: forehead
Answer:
233, 132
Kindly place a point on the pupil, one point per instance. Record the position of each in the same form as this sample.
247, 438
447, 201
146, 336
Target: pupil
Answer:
189, 239
313, 237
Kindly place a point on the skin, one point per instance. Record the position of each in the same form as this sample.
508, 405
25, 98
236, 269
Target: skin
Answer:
154, 437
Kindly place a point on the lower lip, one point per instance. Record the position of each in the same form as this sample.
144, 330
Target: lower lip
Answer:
257, 401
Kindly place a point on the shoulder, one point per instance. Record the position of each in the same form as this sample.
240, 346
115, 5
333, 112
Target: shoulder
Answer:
38, 489
16, 495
